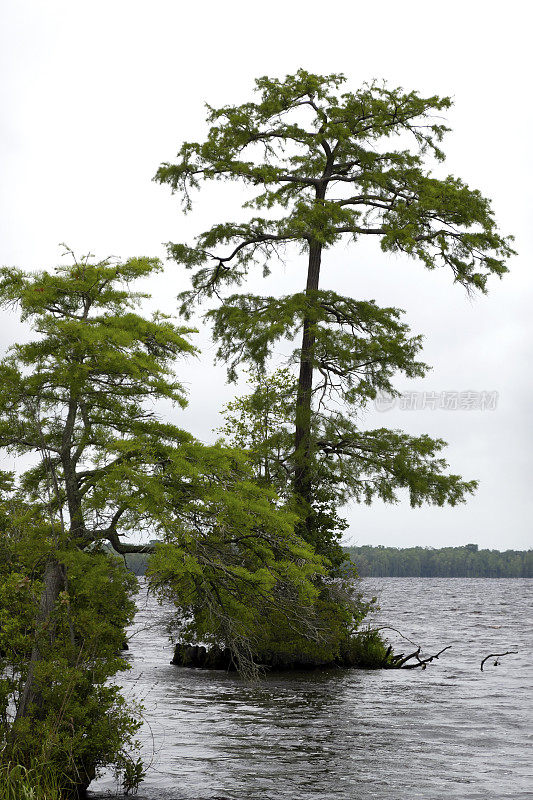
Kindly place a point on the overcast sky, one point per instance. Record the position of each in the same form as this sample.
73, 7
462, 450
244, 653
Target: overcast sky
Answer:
94, 95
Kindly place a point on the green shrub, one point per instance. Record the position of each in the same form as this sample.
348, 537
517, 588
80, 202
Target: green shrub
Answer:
366, 650
78, 722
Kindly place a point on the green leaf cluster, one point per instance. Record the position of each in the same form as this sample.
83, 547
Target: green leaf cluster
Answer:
81, 395
358, 345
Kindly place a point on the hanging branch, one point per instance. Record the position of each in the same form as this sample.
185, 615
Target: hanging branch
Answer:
390, 628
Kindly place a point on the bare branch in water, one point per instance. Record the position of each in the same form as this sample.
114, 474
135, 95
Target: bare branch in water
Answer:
422, 662
497, 655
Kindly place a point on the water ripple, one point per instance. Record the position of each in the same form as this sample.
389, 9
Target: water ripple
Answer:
450, 732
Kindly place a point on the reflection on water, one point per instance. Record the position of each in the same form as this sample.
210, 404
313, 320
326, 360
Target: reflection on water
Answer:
450, 731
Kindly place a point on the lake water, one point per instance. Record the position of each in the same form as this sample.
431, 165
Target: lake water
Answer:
450, 731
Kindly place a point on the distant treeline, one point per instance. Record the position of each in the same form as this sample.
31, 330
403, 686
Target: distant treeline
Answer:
445, 562
421, 562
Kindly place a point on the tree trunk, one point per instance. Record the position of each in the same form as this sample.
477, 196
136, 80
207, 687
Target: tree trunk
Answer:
54, 583
77, 532
302, 439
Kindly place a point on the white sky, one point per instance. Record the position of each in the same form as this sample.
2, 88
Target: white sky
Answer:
94, 95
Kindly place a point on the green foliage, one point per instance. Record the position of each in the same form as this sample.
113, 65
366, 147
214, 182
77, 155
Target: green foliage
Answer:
78, 395
78, 722
236, 571
378, 463
271, 615
37, 782
339, 611
367, 650
347, 463
358, 346
445, 562
260, 423
230, 560
134, 774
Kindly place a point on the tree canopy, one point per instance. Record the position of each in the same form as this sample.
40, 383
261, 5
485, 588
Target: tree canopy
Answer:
79, 394
303, 138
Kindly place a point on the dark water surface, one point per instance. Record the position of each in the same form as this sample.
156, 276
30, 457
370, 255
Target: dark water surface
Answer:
450, 731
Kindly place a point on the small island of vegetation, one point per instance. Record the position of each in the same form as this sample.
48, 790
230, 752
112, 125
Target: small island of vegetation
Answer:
246, 528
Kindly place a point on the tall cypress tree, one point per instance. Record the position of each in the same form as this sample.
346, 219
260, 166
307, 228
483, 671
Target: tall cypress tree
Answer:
326, 159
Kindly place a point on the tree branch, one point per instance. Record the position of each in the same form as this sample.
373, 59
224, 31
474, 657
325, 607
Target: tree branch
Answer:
497, 655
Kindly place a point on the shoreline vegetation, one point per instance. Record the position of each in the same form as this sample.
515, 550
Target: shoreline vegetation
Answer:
467, 561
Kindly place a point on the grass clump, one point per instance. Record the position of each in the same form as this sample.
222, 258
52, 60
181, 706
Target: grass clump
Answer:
37, 782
